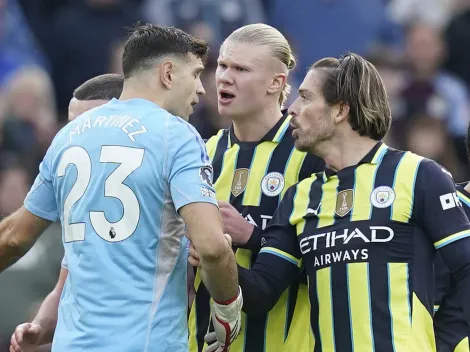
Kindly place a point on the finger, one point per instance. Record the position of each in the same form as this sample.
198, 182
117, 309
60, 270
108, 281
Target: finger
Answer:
210, 337
193, 253
194, 262
225, 213
228, 238
13, 342
224, 204
12, 349
34, 329
19, 332
213, 347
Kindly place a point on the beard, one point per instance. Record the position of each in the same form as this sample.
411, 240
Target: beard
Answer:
312, 139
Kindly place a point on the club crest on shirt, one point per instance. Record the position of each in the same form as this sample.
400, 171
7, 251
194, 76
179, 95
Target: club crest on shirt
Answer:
240, 179
344, 202
272, 184
206, 174
382, 197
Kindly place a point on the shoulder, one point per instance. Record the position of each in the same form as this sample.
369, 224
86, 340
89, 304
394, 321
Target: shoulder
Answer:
413, 164
215, 138
213, 143
179, 125
432, 167
404, 160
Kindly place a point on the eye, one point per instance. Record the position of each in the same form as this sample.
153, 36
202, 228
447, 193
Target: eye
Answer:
240, 69
223, 66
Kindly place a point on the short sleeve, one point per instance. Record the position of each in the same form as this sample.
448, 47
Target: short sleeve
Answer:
280, 236
190, 172
41, 200
64, 264
438, 208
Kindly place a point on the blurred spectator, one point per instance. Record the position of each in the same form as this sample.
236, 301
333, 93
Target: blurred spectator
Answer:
17, 44
430, 91
219, 18
457, 37
14, 185
432, 12
83, 38
427, 136
115, 61
206, 118
390, 67
29, 120
332, 27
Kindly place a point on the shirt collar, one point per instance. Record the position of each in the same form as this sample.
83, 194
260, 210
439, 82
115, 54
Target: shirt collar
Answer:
374, 157
274, 135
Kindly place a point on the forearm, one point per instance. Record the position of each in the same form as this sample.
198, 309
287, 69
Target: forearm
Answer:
47, 315
18, 233
463, 287
264, 283
259, 298
10, 249
456, 256
219, 273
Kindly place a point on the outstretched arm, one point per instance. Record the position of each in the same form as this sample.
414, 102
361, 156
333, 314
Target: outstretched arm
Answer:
439, 211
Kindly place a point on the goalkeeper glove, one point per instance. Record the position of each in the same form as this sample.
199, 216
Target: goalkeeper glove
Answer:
226, 318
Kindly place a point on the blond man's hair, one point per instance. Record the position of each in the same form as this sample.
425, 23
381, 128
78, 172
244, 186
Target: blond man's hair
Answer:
265, 35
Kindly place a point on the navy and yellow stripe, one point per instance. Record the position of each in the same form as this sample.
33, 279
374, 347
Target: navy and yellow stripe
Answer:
404, 185
281, 254
301, 203
452, 238
358, 287
463, 346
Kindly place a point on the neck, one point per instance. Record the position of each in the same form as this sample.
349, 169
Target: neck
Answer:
141, 90
252, 128
344, 151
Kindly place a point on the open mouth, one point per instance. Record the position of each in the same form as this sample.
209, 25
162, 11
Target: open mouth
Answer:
225, 97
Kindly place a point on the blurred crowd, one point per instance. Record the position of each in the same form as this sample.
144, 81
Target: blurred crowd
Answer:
49, 47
